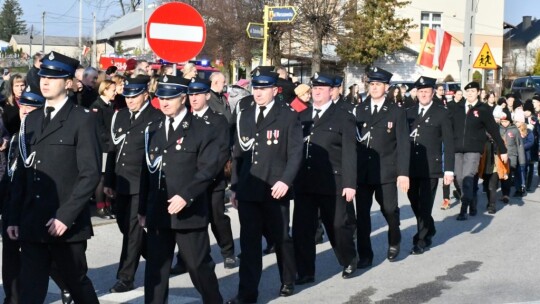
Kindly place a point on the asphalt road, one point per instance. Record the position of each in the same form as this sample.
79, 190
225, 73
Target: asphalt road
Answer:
486, 259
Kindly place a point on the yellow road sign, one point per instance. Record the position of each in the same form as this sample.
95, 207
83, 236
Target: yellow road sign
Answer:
485, 59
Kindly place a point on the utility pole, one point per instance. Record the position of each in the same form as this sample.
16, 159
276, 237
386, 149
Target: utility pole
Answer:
94, 46
80, 30
468, 41
143, 26
43, 33
30, 61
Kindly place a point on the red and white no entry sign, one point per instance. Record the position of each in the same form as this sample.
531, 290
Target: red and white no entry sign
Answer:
176, 32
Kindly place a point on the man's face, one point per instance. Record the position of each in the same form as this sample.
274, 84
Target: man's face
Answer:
53, 88
172, 106
135, 103
218, 83
79, 74
458, 95
335, 93
145, 67
472, 95
424, 96
377, 89
440, 91
198, 101
90, 79
264, 96
536, 105
25, 110
321, 94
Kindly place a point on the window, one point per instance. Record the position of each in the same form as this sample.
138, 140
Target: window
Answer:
429, 20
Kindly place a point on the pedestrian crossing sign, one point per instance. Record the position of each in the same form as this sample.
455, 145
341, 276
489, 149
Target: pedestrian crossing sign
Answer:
485, 59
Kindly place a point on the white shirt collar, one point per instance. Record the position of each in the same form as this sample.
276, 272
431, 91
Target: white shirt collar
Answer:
201, 112
265, 112
177, 120
56, 108
426, 108
140, 110
323, 108
467, 105
378, 104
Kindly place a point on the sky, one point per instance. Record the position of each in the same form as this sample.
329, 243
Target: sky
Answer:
62, 16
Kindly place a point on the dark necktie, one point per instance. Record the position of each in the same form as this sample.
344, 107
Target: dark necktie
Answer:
421, 113
47, 119
470, 107
260, 117
375, 109
317, 117
133, 117
171, 129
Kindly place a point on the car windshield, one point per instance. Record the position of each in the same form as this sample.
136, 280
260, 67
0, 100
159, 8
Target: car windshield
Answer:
537, 81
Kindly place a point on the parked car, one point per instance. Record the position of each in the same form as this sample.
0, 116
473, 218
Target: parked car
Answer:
525, 87
450, 89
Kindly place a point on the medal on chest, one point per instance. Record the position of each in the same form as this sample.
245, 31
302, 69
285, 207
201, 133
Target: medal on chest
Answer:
390, 125
269, 137
276, 136
179, 143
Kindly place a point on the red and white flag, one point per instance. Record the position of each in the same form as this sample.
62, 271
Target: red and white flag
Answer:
435, 48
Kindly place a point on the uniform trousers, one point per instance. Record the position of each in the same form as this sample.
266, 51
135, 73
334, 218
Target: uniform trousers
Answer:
466, 167
386, 196
255, 216
337, 216
220, 223
421, 194
195, 252
70, 258
134, 236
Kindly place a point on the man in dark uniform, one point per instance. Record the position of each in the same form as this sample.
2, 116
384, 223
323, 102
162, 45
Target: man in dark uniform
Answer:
123, 171
30, 100
199, 93
60, 157
267, 155
326, 182
181, 161
383, 163
337, 96
431, 137
471, 120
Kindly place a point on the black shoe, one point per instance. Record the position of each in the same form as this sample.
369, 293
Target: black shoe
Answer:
473, 212
110, 212
462, 216
122, 286
229, 263
102, 213
492, 210
179, 268
270, 249
286, 290
506, 199
239, 300
304, 280
66, 297
348, 271
416, 250
393, 252
364, 263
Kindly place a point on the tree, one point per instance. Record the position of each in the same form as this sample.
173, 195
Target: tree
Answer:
536, 67
372, 31
323, 18
10, 22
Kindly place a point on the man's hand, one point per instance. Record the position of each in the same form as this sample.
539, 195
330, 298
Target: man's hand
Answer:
56, 228
13, 232
403, 183
448, 179
279, 190
142, 220
349, 194
109, 192
176, 204
504, 158
233, 200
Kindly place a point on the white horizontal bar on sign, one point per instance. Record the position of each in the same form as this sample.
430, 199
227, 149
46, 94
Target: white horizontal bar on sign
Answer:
176, 32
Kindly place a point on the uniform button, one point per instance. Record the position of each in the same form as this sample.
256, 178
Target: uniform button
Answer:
416, 153
256, 134
164, 164
309, 156
164, 151
162, 189
308, 168
256, 144
38, 179
330, 128
124, 154
125, 143
256, 153
39, 162
371, 128
310, 145
191, 200
311, 133
61, 140
127, 132
369, 157
255, 162
163, 175
123, 164
335, 172
37, 196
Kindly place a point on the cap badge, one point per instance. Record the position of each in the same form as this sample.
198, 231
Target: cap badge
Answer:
51, 56
192, 80
258, 73
165, 79
28, 89
375, 69
316, 76
421, 80
126, 83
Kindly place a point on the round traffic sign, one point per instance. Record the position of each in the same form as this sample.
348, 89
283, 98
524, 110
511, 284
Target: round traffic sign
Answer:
176, 32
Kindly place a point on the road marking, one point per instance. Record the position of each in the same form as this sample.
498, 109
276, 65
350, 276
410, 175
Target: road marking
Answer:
176, 32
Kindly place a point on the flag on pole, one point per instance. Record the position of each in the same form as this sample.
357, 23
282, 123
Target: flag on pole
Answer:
435, 48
